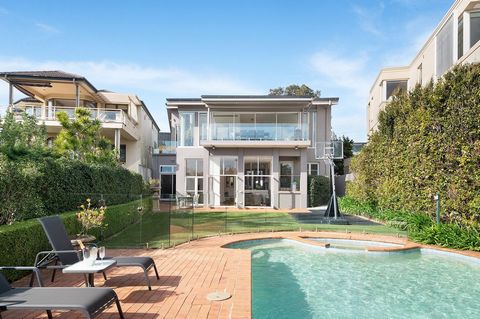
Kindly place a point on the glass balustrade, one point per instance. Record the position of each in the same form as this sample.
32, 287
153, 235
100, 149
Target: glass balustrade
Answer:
50, 112
258, 132
167, 147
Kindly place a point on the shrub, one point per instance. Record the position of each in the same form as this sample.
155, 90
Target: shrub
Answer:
38, 188
21, 241
318, 190
420, 226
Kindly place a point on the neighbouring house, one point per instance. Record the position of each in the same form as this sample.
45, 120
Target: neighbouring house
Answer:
454, 41
245, 151
125, 119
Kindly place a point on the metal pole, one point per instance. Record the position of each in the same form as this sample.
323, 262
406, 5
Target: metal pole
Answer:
437, 198
334, 198
193, 219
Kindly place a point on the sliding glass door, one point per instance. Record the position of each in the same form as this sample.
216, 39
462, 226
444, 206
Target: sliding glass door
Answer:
258, 181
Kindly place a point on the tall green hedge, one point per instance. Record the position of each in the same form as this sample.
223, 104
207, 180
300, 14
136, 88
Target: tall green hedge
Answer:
428, 141
21, 241
318, 190
32, 189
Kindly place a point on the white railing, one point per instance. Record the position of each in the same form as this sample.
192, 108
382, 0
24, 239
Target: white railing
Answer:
50, 113
329, 150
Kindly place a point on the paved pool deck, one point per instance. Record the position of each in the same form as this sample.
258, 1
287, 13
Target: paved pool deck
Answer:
188, 273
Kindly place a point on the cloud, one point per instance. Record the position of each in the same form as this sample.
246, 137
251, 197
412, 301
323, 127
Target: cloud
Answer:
346, 72
46, 28
368, 18
131, 77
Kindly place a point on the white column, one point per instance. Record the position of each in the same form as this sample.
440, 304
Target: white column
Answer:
466, 31
10, 96
50, 113
117, 140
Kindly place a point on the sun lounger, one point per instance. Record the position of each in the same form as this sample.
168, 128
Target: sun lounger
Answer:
89, 301
64, 252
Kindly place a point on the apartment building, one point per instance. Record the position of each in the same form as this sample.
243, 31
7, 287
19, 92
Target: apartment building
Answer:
454, 41
125, 119
245, 151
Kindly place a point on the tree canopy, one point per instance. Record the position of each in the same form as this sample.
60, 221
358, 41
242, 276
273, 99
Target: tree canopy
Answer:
295, 89
22, 137
81, 139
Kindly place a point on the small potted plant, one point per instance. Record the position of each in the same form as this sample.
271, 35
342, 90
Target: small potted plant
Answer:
90, 217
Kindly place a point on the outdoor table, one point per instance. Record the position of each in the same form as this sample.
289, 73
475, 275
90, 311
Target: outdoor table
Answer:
85, 267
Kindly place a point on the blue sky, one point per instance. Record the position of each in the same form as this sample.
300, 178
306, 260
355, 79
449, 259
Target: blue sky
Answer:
160, 49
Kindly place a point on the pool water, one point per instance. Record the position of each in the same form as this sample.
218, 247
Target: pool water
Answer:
294, 280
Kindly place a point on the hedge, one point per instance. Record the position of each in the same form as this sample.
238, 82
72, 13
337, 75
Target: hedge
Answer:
427, 142
421, 227
318, 190
33, 189
21, 241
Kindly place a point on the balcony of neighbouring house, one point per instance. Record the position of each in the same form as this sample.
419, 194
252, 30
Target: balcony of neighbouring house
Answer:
166, 148
109, 118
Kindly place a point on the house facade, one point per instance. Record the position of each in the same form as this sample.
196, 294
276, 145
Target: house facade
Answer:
245, 151
455, 40
125, 119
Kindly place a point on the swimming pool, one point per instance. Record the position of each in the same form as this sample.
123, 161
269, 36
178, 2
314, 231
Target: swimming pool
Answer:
295, 280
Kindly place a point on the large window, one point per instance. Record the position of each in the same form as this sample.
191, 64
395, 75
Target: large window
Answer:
286, 176
202, 124
474, 27
313, 169
223, 180
194, 179
257, 181
460, 38
122, 156
444, 48
395, 87
187, 123
289, 173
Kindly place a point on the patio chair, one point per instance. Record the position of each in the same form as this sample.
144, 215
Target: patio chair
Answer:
90, 301
64, 252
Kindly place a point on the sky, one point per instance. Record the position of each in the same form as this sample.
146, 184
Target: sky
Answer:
160, 49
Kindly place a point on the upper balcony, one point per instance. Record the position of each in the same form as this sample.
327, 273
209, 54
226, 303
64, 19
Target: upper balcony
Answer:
256, 135
255, 129
109, 118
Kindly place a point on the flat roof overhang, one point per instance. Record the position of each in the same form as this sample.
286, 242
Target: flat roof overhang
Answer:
45, 87
255, 144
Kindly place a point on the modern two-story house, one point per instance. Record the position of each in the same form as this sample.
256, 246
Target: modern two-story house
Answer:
245, 151
125, 119
455, 40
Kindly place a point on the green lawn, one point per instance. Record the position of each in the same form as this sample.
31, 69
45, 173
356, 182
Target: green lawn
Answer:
154, 228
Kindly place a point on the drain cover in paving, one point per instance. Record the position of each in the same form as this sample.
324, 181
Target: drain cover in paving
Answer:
218, 296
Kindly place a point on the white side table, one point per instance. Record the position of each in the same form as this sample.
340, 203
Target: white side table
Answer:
84, 267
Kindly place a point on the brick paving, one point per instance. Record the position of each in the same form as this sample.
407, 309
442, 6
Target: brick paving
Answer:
187, 274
